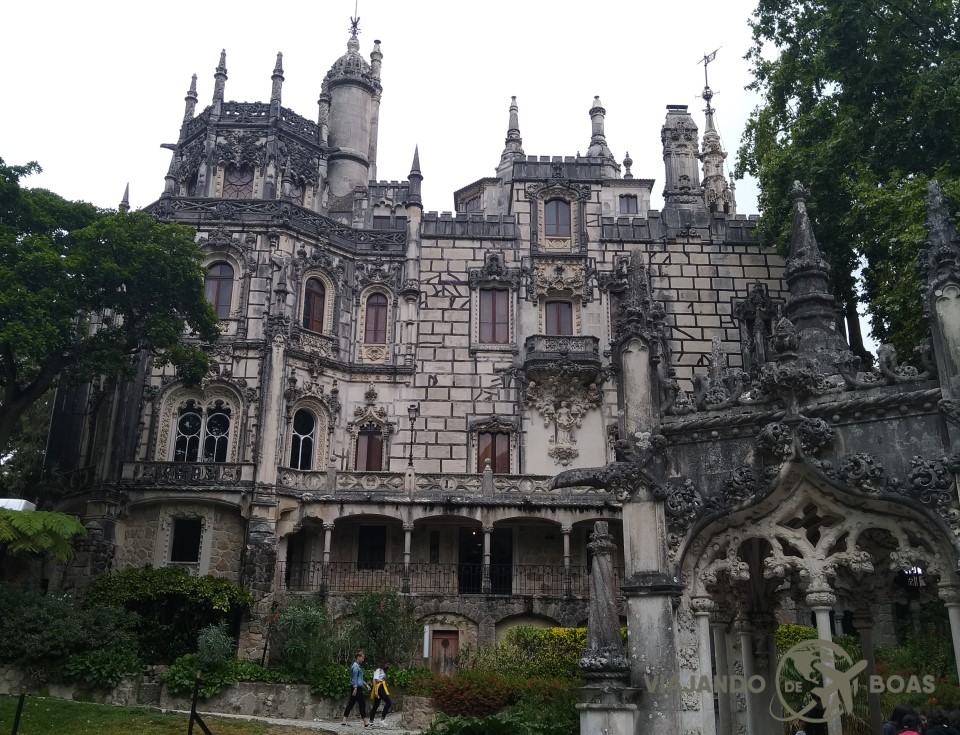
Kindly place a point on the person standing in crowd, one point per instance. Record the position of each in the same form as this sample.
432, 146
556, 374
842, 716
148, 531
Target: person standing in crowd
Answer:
892, 726
357, 690
380, 694
938, 723
910, 725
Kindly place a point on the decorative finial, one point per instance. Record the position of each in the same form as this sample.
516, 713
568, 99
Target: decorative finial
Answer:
798, 193
627, 163
222, 66
125, 202
278, 69
707, 92
355, 20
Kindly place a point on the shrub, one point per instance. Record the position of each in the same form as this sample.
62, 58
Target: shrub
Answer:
789, 635
172, 606
214, 647
504, 723
418, 682
305, 637
385, 626
474, 693
330, 679
180, 677
548, 653
102, 669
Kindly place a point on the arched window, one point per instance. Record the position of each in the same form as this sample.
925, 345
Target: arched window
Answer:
369, 455
375, 324
219, 288
202, 435
495, 446
303, 440
314, 300
556, 216
237, 182
494, 316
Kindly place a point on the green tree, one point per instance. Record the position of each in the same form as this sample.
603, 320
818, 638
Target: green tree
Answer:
83, 291
861, 104
37, 532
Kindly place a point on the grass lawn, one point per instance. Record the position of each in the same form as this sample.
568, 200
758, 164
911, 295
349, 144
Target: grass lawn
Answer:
45, 716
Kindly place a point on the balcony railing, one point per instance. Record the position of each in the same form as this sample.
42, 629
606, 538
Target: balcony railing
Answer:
225, 474
570, 355
523, 580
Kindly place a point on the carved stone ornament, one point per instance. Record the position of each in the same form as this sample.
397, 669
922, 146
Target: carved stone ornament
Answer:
556, 277
604, 654
639, 315
939, 262
863, 472
379, 272
494, 272
754, 313
562, 404
240, 149
299, 160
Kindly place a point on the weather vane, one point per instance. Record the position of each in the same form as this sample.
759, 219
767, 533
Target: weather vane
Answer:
355, 20
707, 92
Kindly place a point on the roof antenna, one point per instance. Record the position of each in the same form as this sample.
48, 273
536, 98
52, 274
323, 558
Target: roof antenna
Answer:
707, 92
355, 20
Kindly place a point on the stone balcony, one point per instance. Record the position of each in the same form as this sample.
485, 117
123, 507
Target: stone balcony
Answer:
225, 475
571, 356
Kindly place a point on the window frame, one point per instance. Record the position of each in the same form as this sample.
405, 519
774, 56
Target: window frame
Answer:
365, 433
370, 333
557, 218
493, 328
549, 318
633, 204
235, 189
298, 439
494, 445
223, 287
310, 321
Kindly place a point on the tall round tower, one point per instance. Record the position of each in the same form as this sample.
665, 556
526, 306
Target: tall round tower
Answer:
351, 90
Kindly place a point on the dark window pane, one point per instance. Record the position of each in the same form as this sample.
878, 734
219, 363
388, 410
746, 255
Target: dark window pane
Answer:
369, 449
559, 318
219, 288
237, 183
314, 300
556, 215
494, 316
381, 223
301, 442
375, 329
434, 547
185, 546
371, 547
628, 204
494, 446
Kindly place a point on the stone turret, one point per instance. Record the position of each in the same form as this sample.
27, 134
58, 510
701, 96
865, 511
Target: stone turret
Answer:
220, 83
598, 141
513, 145
190, 101
717, 193
678, 135
349, 109
415, 178
277, 88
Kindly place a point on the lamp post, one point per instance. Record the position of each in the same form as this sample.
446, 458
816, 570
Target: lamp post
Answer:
413, 411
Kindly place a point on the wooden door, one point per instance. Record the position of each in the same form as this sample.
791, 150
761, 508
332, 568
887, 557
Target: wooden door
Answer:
443, 651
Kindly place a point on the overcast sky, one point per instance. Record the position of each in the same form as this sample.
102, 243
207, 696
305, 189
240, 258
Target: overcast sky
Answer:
91, 89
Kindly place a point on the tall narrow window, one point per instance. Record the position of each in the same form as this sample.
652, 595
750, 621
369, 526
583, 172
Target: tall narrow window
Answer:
559, 318
219, 288
369, 456
628, 204
237, 182
185, 544
375, 325
314, 300
494, 316
371, 547
556, 216
202, 435
303, 440
494, 446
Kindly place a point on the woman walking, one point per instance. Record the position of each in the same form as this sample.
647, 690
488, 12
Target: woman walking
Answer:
357, 687
380, 694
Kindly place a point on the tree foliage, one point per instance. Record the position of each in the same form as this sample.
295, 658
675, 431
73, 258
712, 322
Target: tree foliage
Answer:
84, 290
38, 532
861, 104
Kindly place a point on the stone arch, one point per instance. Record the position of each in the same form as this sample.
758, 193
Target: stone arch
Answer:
214, 393
329, 301
375, 352
322, 423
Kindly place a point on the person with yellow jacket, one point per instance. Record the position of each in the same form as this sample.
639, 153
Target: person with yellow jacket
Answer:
380, 693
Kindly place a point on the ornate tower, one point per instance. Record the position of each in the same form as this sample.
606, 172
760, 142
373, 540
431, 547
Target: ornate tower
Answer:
718, 195
678, 135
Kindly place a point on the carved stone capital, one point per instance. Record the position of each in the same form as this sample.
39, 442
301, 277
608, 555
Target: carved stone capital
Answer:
702, 605
821, 599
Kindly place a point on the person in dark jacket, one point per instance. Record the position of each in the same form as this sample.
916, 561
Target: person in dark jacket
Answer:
892, 726
938, 723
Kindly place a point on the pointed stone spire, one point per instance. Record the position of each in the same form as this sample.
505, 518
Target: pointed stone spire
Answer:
190, 100
627, 163
598, 140
939, 261
415, 178
220, 78
681, 188
513, 145
125, 202
811, 307
718, 195
277, 79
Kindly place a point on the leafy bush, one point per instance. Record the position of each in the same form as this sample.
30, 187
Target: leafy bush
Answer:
305, 636
474, 693
173, 606
330, 679
418, 682
548, 653
214, 647
789, 635
54, 639
180, 677
385, 626
504, 723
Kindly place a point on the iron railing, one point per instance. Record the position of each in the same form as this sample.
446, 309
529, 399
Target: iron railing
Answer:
523, 580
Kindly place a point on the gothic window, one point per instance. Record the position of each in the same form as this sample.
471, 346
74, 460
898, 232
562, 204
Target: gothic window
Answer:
556, 216
495, 446
185, 542
314, 300
473, 205
219, 288
369, 456
297, 191
494, 316
238, 182
202, 435
303, 440
381, 223
558, 318
375, 324
371, 547
628, 204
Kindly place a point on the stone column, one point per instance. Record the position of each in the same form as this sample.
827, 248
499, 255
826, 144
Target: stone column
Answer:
565, 530
485, 585
407, 538
950, 594
719, 630
744, 632
863, 622
821, 600
702, 607
325, 569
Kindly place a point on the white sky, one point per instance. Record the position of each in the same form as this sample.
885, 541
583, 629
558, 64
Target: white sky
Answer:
92, 88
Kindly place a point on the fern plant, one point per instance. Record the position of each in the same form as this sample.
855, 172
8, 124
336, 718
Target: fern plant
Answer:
39, 532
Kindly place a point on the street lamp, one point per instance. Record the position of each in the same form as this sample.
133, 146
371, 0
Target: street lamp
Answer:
413, 411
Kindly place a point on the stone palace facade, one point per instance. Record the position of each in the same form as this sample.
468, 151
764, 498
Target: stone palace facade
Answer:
445, 404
